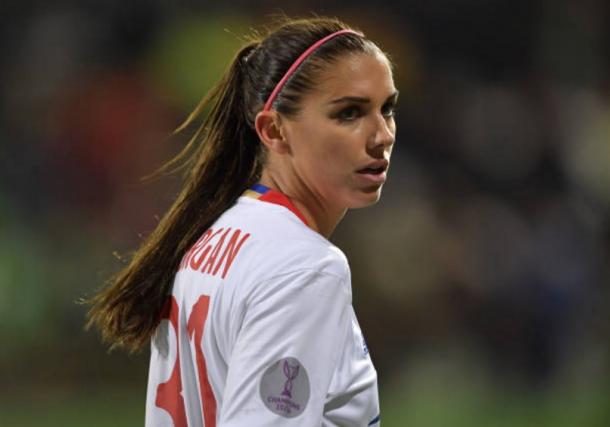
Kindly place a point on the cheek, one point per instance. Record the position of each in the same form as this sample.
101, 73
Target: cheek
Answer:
324, 146
326, 156
337, 150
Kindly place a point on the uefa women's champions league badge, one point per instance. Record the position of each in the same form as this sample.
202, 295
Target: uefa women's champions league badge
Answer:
285, 387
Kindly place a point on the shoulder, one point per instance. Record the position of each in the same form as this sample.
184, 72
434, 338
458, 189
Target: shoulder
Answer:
304, 252
305, 273
314, 286
289, 257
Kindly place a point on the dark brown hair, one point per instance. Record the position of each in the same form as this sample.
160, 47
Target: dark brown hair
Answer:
223, 158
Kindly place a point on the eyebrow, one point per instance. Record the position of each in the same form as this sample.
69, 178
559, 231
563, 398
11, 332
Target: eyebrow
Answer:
359, 99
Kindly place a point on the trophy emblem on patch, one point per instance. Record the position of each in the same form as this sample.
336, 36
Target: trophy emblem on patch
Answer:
291, 373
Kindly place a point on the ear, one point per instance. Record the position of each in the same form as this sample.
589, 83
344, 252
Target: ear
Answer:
268, 125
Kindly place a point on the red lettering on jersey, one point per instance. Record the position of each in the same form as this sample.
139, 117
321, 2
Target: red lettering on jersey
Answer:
207, 267
169, 395
203, 256
195, 326
201, 252
230, 252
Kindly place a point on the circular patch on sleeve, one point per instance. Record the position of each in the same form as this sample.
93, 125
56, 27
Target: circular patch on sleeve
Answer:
285, 387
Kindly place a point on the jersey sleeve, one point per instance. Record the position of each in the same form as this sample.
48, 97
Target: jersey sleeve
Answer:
286, 350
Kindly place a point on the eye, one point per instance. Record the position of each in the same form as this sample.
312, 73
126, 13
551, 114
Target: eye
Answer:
389, 110
349, 114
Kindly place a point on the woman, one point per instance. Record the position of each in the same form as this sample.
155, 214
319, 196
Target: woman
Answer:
245, 301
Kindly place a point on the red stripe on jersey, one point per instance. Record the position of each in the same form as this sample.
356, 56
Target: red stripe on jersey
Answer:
269, 195
278, 198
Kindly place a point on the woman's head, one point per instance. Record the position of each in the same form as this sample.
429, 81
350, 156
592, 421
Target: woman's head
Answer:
330, 134
331, 127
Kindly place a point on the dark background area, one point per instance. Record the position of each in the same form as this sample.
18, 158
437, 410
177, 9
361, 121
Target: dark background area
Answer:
481, 278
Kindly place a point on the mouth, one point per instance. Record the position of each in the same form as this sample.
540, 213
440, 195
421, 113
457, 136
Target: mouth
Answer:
375, 172
375, 168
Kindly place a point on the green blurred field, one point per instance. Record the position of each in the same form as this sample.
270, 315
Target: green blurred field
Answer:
432, 405
97, 408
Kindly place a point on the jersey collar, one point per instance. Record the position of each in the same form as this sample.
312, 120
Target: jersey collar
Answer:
266, 194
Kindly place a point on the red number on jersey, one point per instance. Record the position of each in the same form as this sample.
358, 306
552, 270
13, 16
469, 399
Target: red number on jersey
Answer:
169, 393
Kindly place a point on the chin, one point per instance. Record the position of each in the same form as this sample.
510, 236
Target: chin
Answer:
365, 198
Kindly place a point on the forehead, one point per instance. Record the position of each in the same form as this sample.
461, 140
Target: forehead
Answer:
362, 74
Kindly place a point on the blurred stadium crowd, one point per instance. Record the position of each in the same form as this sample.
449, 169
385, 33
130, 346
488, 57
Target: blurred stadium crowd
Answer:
489, 250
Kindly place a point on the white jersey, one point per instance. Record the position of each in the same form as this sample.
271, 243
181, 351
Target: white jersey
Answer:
260, 329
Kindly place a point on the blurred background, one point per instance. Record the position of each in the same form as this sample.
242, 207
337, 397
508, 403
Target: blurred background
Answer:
480, 280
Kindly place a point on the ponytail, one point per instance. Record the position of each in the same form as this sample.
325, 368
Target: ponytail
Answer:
222, 159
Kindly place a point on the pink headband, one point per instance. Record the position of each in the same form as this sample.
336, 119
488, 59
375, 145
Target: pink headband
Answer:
298, 62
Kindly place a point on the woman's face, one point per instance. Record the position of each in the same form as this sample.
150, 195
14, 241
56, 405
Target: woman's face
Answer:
341, 139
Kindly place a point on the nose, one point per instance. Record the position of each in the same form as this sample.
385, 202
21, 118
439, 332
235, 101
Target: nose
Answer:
384, 132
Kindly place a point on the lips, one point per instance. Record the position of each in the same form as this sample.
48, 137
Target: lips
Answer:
375, 168
374, 173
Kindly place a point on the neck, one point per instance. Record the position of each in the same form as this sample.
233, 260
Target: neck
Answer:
321, 217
